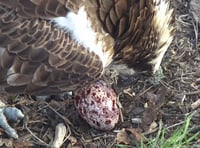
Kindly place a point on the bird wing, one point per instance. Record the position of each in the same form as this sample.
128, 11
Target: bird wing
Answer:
35, 56
43, 8
142, 30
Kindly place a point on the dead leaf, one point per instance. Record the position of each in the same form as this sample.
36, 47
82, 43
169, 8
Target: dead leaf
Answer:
22, 144
149, 116
196, 104
152, 107
153, 126
137, 134
73, 140
6, 143
196, 84
129, 136
122, 137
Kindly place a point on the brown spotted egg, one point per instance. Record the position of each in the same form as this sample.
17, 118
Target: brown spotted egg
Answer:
96, 103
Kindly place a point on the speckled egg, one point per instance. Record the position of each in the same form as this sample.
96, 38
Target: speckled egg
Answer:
96, 103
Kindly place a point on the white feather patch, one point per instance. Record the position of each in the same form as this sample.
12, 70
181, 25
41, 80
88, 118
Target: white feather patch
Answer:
162, 20
80, 28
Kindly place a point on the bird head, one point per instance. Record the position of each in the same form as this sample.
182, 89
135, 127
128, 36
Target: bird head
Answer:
132, 34
142, 31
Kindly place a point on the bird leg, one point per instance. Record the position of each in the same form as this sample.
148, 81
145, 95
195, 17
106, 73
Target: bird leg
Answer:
9, 113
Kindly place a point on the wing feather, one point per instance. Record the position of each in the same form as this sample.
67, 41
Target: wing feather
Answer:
38, 58
43, 8
142, 30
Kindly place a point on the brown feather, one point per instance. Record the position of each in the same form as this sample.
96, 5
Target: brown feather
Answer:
31, 64
133, 26
135, 33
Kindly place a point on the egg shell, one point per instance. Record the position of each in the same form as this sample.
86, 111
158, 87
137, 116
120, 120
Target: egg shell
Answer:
96, 103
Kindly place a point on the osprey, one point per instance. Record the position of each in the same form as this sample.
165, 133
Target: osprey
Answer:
52, 46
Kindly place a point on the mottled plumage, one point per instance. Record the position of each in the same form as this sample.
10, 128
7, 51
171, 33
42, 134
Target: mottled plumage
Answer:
52, 46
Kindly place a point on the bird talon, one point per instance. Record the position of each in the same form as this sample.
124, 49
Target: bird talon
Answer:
9, 113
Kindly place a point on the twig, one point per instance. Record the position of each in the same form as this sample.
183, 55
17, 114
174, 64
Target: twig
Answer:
190, 93
196, 104
120, 109
40, 140
174, 125
142, 93
65, 119
61, 116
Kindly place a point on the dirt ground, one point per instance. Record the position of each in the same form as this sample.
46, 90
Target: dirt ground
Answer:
146, 104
